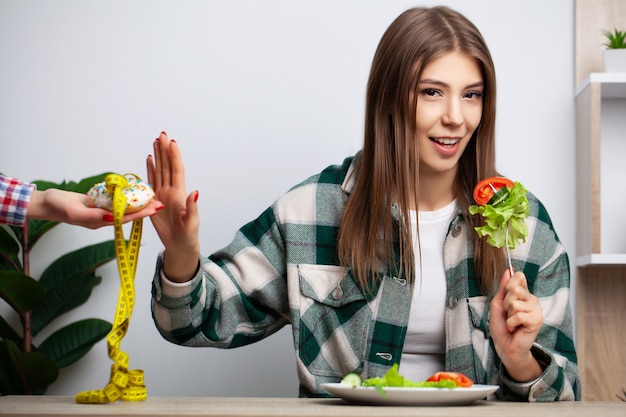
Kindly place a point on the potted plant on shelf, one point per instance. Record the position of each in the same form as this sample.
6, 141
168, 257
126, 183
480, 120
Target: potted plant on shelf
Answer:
615, 52
28, 363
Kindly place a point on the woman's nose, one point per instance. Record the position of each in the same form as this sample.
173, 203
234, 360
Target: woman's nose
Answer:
453, 114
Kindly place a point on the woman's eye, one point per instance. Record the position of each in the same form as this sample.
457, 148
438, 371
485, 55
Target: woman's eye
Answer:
474, 95
431, 92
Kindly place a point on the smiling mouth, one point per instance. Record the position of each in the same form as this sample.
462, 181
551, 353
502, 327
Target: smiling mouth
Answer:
446, 142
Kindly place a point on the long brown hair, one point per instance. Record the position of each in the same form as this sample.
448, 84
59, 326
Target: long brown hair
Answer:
388, 169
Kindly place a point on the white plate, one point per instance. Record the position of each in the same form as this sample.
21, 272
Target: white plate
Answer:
410, 396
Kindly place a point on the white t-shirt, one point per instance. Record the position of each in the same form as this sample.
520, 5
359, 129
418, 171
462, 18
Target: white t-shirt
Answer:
425, 343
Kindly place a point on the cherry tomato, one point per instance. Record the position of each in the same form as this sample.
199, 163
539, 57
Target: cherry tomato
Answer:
459, 379
486, 188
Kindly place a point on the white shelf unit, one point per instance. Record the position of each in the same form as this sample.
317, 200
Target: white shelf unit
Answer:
613, 84
601, 167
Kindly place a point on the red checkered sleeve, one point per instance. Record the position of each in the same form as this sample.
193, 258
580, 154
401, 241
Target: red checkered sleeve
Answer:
14, 198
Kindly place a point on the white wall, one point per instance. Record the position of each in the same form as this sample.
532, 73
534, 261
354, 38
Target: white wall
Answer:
259, 95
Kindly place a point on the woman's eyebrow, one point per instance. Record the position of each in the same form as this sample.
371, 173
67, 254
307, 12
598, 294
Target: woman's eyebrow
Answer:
443, 84
476, 84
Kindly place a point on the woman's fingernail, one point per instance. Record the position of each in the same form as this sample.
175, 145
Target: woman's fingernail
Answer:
161, 207
195, 198
107, 218
164, 133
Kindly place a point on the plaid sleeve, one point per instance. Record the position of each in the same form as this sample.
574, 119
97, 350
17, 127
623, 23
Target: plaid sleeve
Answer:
237, 297
14, 198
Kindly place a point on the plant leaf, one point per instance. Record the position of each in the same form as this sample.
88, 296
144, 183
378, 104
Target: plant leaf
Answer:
77, 264
36, 229
22, 292
85, 184
33, 370
43, 185
7, 332
61, 299
615, 39
9, 247
7, 265
69, 281
72, 342
9, 378
78, 187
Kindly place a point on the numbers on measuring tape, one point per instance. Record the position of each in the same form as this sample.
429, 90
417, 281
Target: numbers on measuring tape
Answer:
124, 384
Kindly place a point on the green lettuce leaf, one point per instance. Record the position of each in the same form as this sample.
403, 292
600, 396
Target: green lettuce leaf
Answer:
509, 213
393, 379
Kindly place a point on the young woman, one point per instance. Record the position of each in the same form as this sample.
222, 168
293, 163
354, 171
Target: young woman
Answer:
376, 261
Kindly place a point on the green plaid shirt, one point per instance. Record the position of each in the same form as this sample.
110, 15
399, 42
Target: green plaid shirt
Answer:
282, 268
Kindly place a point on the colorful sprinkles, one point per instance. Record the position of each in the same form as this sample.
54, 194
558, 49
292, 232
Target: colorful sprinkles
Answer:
138, 194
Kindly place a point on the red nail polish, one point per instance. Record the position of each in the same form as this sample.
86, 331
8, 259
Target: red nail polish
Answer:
107, 218
160, 208
164, 133
195, 198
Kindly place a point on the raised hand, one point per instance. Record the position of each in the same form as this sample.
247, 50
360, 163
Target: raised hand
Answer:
177, 224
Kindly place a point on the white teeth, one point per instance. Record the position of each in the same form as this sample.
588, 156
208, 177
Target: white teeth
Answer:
446, 141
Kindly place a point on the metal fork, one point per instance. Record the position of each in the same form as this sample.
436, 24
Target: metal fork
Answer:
506, 245
506, 236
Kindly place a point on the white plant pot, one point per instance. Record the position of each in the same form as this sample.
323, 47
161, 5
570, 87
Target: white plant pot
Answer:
615, 60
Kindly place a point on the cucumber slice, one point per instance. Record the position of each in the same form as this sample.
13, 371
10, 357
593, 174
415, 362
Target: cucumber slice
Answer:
499, 196
352, 379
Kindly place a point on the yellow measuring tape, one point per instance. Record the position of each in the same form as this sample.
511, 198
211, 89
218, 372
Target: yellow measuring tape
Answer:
124, 384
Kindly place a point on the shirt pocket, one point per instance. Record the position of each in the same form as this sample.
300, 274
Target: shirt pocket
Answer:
479, 315
334, 320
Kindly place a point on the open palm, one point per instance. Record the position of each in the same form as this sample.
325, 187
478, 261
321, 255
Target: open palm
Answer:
177, 224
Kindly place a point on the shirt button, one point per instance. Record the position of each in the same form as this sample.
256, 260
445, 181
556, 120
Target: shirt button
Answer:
400, 281
337, 293
452, 302
457, 230
538, 393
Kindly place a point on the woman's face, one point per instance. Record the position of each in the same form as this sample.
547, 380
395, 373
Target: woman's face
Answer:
449, 109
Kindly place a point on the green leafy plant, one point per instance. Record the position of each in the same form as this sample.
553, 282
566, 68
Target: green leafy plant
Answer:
28, 366
615, 39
